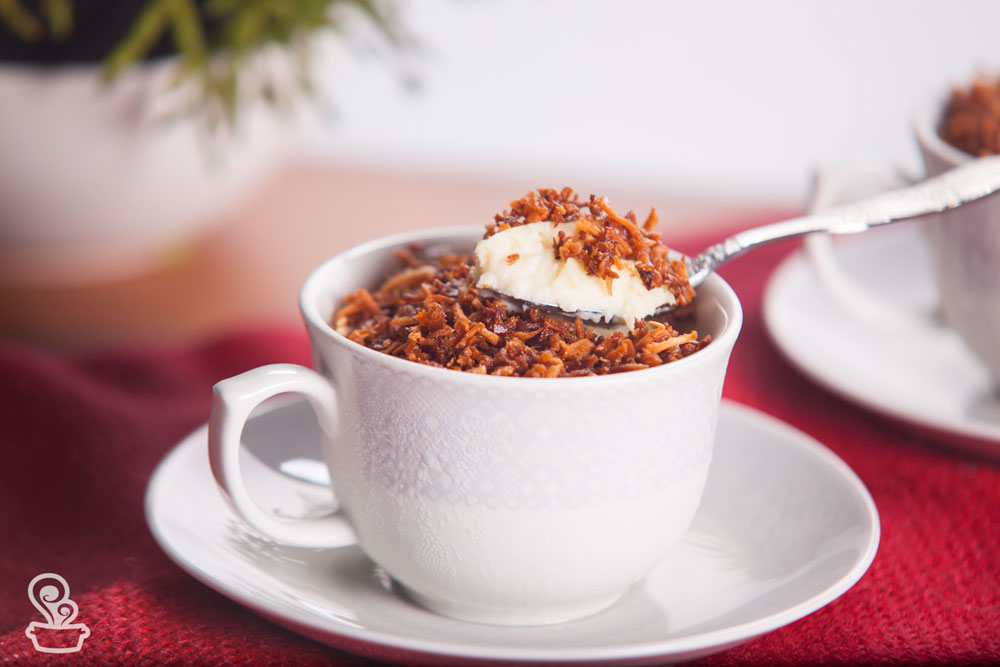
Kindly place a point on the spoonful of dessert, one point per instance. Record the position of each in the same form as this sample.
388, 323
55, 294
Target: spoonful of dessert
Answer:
582, 259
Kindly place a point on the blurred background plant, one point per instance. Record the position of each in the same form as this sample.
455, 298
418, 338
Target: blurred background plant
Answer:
130, 127
214, 40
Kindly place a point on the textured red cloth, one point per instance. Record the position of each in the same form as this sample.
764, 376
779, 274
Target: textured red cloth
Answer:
80, 436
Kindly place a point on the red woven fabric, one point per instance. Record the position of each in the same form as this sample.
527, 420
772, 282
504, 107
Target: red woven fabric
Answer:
79, 438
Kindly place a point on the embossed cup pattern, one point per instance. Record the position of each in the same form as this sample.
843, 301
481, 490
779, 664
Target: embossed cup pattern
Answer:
496, 499
540, 496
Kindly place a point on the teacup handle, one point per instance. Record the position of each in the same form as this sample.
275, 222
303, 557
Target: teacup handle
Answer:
834, 185
232, 402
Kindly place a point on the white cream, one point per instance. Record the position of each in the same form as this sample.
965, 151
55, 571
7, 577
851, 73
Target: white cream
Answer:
536, 276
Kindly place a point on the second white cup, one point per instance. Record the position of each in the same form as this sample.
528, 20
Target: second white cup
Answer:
965, 248
963, 244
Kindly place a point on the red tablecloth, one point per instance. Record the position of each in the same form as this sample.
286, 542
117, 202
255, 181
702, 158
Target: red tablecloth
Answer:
80, 436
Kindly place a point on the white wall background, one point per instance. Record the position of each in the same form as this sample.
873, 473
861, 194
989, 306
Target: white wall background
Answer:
715, 99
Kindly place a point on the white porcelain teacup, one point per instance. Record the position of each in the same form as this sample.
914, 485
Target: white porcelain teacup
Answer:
963, 245
965, 248
503, 500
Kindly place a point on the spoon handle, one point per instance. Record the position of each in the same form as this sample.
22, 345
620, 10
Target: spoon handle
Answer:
966, 183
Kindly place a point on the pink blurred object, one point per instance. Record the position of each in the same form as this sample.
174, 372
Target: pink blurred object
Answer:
103, 182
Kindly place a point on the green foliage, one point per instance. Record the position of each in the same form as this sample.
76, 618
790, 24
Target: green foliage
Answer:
213, 39
57, 16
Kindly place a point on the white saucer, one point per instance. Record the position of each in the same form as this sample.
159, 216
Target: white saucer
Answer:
911, 370
785, 527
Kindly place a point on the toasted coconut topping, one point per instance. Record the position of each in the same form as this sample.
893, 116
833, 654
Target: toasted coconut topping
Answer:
432, 313
602, 238
972, 118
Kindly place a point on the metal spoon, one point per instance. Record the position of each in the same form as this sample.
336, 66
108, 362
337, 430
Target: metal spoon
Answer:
959, 186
